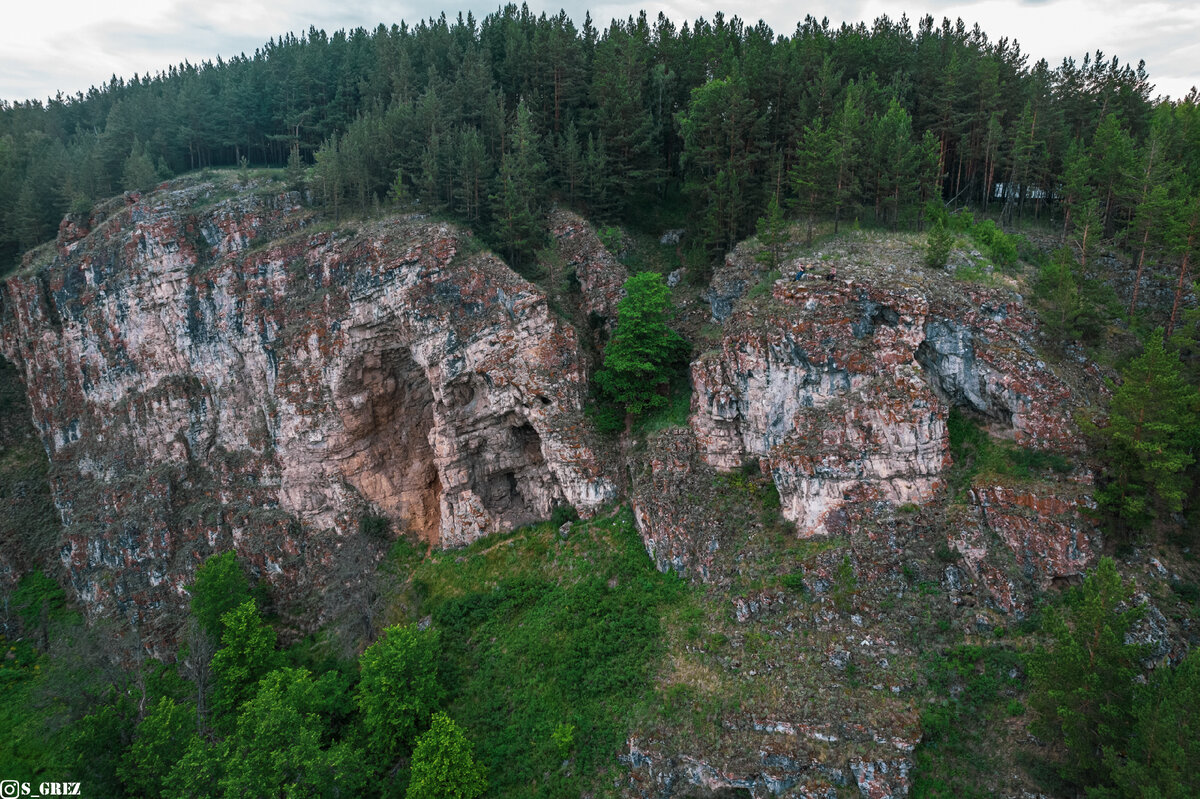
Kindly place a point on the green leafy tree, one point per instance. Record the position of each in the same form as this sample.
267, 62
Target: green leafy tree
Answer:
1083, 681
398, 689
161, 742
1151, 435
276, 748
443, 764
247, 653
196, 775
641, 358
219, 587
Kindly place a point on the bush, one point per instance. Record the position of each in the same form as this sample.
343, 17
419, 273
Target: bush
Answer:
443, 765
563, 514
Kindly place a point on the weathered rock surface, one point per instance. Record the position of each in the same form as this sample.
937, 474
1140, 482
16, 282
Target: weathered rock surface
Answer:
212, 374
601, 277
843, 387
826, 389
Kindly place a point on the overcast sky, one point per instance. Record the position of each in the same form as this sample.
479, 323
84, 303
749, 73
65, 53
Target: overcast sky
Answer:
69, 45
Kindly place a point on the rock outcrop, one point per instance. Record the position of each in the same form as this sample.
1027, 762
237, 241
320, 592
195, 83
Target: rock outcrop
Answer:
825, 387
212, 374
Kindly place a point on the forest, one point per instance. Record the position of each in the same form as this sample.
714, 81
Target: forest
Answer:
643, 123
731, 131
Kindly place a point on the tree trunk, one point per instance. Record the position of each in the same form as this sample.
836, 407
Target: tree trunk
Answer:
1137, 280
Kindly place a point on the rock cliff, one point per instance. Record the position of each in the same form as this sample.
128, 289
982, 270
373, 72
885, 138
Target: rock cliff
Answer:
207, 372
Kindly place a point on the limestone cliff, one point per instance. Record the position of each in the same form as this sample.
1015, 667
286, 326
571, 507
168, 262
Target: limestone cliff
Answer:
208, 372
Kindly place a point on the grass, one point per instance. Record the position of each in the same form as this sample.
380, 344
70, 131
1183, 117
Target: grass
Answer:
975, 453
543, 634
674, 414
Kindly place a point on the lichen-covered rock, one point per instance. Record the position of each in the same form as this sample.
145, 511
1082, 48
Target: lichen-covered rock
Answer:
601, 277
826, 390
978, 356
205, 375
730, 281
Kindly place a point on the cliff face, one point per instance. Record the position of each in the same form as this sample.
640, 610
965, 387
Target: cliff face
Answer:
212, 373
827, 391
841, 390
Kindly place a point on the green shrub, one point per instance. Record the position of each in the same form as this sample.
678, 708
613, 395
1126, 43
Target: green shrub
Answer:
562, 514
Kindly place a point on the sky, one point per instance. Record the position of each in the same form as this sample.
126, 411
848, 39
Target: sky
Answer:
69, 45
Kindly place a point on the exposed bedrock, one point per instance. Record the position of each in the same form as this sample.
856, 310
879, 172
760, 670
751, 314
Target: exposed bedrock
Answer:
842, 388
826, 390
205, 375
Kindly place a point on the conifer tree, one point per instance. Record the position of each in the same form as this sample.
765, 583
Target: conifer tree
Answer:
644, 352
1082, 682
521, 191
814, 174
1150, 438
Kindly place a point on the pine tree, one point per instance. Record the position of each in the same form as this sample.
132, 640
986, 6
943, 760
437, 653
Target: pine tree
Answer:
814, 174
1082, 683
518, 201
772, 235
1152, 432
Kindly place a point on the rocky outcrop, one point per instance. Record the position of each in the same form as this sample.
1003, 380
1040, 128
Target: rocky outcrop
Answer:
601, 277
207, 373
825, 388
979, 357
842, 387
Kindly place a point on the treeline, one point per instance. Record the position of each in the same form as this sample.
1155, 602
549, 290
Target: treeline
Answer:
642, 122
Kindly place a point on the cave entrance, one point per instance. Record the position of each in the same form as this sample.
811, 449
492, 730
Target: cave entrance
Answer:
386, 405
509, 474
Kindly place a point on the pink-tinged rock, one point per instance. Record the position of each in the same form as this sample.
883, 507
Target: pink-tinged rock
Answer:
827, 392
194, 393
1045, 527
601, 277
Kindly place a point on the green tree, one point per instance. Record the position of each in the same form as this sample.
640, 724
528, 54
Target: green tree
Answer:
398, 689
195, 775
641, 358
295, 169
1161, 759
814, 173
938, 243
518, 209
1082, 683
139, 172
443, 764
247, 653
722, 132
161, 742
1151, 434
772, 236
219, 587
276, 748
